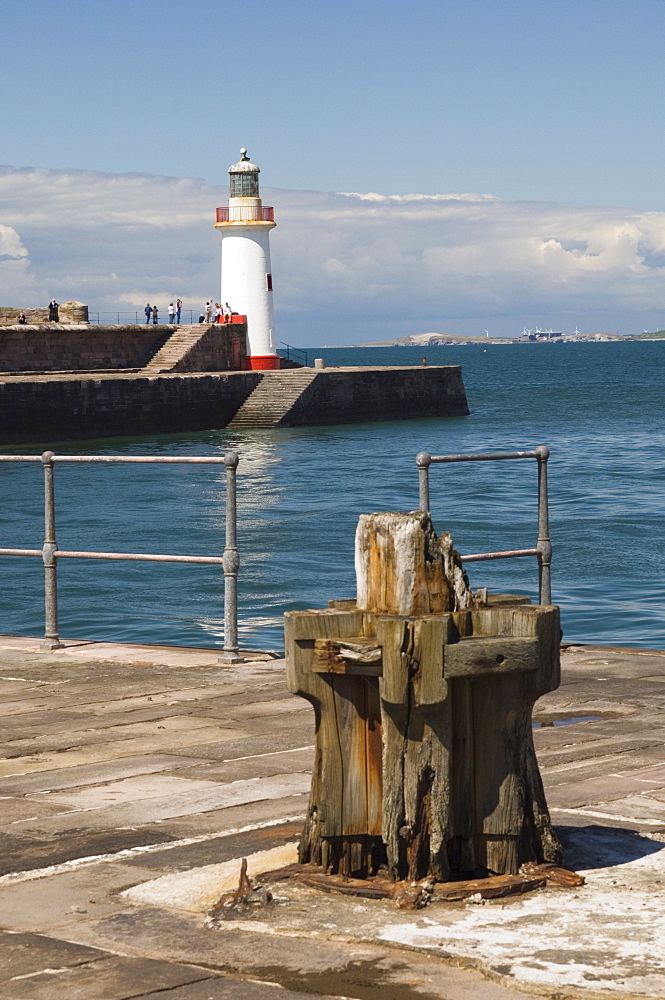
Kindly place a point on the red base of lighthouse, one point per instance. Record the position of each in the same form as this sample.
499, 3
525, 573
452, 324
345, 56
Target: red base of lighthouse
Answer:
264, 362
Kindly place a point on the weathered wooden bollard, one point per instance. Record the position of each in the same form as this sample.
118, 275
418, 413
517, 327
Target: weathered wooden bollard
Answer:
423, 696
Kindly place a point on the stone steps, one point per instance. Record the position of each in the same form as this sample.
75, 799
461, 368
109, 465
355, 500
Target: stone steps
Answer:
184, 337
274, 396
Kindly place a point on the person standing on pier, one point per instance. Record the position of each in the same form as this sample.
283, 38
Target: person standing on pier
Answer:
155, 314
148, 312
178, 310
53, 307
171, 313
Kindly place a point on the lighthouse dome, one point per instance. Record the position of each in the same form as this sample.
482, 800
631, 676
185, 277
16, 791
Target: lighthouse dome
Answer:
243, 166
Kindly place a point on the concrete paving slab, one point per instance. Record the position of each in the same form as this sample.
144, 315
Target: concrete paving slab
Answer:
105, 979
279, 706
139, 745
15, 810
644, 807
93, 734
180, 803
605, 789
598, 767
260, 766
24, 953
253, 745
183, 857
174, 697
198, 889
237, 817
535, 939
56, 722
30, 853
225, 988
136, 789
655, 774
318, 967
82, 894
624, 750
302, 722
559, 757
94, 774
148, 655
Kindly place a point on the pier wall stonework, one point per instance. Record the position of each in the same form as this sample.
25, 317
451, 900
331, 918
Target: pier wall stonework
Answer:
350, 396
82, 348
49, 348
48, 408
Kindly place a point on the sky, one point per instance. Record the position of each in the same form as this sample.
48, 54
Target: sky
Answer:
448, 166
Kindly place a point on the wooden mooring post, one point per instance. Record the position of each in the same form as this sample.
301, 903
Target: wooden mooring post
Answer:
423, 694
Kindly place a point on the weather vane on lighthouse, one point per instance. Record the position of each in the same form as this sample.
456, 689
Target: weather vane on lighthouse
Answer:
246, 275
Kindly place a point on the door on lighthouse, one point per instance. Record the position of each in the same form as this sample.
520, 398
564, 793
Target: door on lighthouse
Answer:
235, 353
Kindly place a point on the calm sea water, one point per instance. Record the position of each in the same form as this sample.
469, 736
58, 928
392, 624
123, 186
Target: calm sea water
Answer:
599, 407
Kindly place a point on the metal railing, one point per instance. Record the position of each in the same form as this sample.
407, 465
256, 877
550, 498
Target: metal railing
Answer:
137, 316
543, 548
246, 213
292, 353
50, 553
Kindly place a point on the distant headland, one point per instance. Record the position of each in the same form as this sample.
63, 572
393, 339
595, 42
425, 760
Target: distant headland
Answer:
527, 337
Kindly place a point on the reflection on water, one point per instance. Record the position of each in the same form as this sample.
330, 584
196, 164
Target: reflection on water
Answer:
300, 491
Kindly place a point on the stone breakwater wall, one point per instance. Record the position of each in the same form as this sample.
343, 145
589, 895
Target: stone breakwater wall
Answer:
46, 409
49, 408
60, 347
57, 347
353, 395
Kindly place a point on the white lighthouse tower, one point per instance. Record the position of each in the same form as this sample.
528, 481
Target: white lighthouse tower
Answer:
246, 275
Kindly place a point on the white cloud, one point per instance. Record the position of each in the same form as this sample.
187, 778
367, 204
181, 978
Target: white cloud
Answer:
14, 263
347, 267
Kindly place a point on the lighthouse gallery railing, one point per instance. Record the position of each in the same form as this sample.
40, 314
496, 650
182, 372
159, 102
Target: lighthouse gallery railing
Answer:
246, 213
50, 553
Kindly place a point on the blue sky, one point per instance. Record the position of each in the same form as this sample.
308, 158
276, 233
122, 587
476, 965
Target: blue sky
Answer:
531, 102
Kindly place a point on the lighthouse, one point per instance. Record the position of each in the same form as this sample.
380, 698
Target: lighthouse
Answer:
246, 274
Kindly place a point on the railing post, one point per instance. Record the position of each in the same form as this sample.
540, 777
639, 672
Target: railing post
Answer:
423, 461
231, 562
51, 634
544, 545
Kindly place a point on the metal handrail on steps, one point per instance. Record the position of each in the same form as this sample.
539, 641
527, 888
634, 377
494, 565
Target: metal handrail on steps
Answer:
50, 553
291, 353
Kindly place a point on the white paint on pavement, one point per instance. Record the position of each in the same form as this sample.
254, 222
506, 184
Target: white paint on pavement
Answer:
198, 889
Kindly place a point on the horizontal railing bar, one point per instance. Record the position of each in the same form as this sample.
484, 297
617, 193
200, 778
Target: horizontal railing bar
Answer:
514, 554
115, 459
139, 557
138, 459
21, 552
492, 456
132, 556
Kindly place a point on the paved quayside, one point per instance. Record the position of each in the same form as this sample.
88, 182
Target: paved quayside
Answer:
131, 776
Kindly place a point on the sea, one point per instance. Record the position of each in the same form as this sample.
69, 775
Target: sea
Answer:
599, 407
